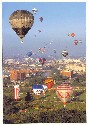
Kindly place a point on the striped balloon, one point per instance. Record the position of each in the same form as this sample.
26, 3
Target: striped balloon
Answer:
21, 22
16, 92
64, 92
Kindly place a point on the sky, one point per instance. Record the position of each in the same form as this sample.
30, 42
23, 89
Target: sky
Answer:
59, 19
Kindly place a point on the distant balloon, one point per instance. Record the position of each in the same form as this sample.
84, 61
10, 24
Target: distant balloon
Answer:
64, 53
42, 60
34, 10
71, 34
29, 54
39, 31
75, 42
64, 92
54, 51
35, 35
41, 19
68, 34
42, 50
80, 41
21, 22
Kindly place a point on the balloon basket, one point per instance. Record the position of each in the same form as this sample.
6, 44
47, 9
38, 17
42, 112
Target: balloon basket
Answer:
22, 40
64, 104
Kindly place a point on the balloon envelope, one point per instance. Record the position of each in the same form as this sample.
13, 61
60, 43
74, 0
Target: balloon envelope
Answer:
49, 82
75, 42
29, 54
21, 22
72, 34
42, 60
64, 53
34, 10
64, 92
41, 19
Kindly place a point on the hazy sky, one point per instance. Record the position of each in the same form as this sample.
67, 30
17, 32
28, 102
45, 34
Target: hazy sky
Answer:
59, 19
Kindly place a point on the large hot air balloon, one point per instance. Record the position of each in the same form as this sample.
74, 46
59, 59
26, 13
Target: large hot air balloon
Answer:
49, 82
21, 22
64, 53
37, 89
64, 92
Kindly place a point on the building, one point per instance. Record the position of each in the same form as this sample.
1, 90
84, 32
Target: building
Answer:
20, 74
67, 73
17, 75
81, 68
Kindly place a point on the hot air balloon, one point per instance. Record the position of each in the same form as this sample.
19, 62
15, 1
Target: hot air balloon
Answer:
21, 22
16, 92
39, 31
80, 41
49, 82
37, 89
68, 34
64, 53
42, 50
34, 10
29, 54
71, 34
64, 92
75, 42
42, 60
54, 51
41, 19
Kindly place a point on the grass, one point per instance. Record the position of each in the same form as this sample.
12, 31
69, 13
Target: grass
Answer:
44, 105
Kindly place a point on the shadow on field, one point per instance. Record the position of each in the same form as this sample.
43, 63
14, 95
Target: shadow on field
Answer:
78, 93
62, 116
44, 97
59, 116
13, 116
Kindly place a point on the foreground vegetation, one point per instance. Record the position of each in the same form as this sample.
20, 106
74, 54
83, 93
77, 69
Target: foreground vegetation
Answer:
44, 109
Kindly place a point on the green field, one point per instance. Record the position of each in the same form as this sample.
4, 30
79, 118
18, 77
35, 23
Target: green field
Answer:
44, 109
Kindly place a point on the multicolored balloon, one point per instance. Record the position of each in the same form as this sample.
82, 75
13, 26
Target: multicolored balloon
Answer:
16, 92
71, 34
64, 53
49, 82
64, 92
42, 60
75, 42
21, 22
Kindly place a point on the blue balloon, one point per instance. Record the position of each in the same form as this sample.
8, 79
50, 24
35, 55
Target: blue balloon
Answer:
29, 54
